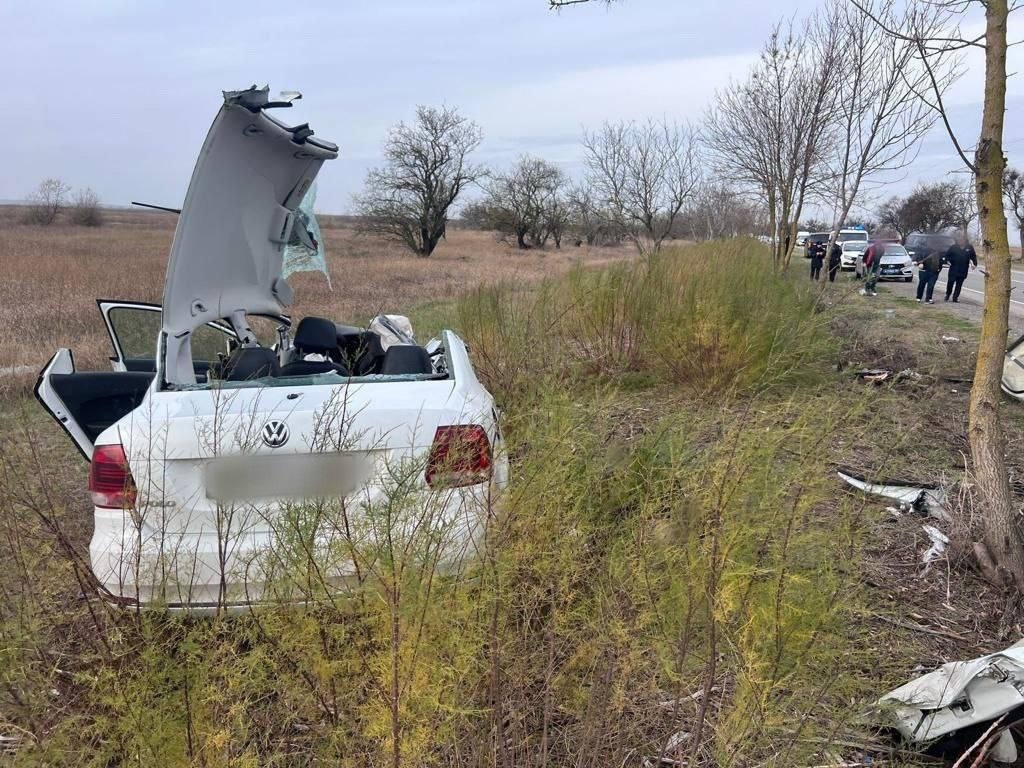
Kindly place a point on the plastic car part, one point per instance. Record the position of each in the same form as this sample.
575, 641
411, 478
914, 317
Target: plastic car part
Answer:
921, 498
957, 696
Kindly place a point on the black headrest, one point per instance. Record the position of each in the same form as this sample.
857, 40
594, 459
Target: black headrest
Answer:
316, 334
250, 363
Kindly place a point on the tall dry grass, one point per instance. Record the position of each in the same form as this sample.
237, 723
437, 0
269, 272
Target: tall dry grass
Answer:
53, 275
711, 317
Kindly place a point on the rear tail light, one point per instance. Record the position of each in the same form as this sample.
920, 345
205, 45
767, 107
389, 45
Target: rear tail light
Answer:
460, 455
110, 479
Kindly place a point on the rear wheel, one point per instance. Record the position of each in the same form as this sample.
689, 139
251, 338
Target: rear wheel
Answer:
907, 279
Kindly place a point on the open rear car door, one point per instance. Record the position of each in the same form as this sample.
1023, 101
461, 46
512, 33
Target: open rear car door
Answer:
134, 327
85, 403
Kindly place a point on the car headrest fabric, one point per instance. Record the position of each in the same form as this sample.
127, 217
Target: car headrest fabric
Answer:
316, 334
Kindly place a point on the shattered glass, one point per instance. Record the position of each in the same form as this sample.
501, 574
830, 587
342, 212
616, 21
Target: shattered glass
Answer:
304, 251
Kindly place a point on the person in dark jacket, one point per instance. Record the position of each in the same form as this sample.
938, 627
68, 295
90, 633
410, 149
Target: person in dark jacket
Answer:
817, 259
929, 264
835, 260
961, 258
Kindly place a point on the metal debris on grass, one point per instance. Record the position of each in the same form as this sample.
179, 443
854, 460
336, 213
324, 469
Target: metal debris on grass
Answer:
923, 499
939, 541
962, 705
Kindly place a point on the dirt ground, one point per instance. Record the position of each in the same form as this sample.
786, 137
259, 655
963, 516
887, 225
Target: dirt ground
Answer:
945, 611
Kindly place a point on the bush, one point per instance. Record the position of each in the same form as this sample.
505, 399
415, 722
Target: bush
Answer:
651, 571
46, 203
710, 318
86, 211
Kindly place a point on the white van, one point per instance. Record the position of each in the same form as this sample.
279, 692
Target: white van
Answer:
852, 235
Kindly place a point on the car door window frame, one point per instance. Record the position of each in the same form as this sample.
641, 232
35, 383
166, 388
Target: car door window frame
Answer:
118, 358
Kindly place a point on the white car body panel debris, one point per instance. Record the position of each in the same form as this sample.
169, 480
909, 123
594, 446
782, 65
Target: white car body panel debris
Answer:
939, 541
958, 695
916, 497
1013, 370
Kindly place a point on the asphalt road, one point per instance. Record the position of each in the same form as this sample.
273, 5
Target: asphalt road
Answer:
974, 289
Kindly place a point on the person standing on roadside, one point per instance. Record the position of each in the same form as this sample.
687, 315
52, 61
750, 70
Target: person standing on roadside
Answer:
929, 264
817, 259
872, 264
835, 260
961, 259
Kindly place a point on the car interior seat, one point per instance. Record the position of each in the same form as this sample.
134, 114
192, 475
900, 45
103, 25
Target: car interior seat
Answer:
402, 359
316, 336
360, 350
247, 363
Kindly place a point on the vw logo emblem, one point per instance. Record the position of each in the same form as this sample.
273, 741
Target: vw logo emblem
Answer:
275, 433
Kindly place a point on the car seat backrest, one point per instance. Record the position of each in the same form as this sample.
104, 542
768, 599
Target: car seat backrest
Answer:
247, 363
360, 350
401, 359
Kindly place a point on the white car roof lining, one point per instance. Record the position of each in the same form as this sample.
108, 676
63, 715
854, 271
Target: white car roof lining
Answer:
227, 255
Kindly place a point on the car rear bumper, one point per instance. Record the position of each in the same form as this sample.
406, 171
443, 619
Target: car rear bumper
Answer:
207, 571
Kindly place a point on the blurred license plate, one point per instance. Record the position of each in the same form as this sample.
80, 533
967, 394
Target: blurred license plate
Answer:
288, 476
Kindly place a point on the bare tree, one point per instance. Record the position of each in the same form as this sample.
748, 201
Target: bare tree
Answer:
528, 202
643, 174
1001, 551
591, 222
1013, 192
928, 208
768, 133
427, 168
718, 210
557, 215
85, 210
879, 116
892, 216
815, 225
46, 203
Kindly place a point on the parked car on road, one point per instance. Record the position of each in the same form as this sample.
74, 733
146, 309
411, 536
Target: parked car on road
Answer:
842, 236
210, 439
801, 238
815, 237
937, 241
852, 235
852, 258
896, 264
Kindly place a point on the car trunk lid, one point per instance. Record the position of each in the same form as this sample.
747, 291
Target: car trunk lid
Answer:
227, 255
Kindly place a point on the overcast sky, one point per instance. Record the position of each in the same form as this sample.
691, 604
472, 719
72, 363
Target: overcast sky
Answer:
118, 94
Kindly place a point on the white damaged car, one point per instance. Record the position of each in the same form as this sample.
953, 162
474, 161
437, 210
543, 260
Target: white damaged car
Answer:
227, 434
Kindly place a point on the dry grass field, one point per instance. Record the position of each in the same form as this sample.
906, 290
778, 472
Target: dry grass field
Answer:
52, 277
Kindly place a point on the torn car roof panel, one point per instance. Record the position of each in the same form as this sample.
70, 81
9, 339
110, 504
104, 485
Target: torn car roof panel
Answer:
958, 694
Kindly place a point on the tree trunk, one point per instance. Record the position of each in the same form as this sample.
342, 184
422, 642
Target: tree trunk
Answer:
1020, 231
1002, 537
426, 243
